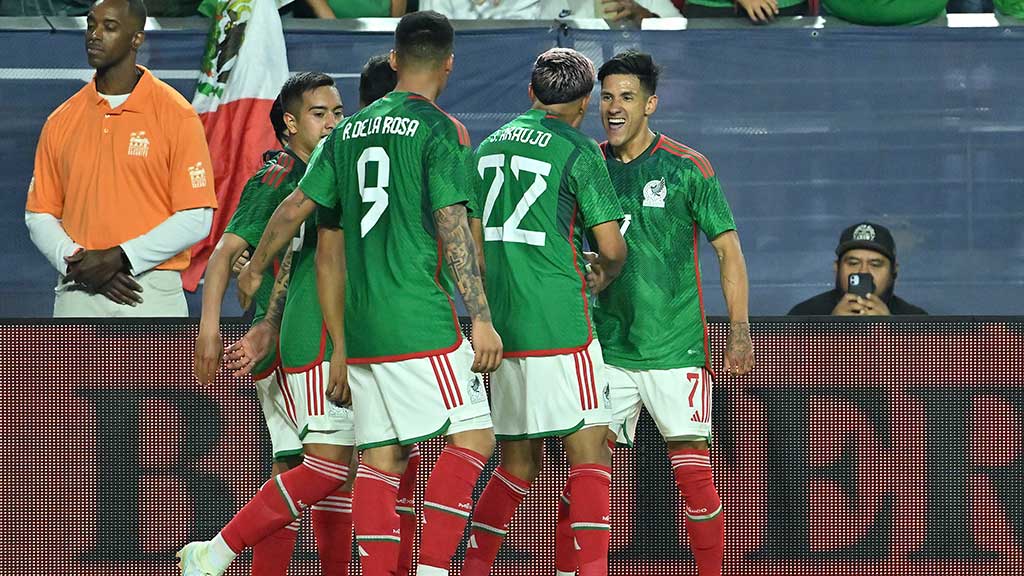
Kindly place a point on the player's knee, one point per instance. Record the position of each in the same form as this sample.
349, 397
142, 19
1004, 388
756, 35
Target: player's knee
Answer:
524, 468
686, 443
282, 465
480, 441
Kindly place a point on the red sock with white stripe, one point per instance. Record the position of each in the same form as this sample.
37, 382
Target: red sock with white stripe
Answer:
406, 509
332, 527
590, 486
271, 556
565, 543
447, 505
494, 511
704, 522
281, 500
376, 522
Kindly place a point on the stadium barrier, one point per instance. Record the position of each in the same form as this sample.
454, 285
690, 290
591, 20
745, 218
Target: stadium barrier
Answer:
809, 130
855, 448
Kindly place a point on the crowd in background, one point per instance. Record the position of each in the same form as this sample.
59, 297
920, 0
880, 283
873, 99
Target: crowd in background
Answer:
867, 12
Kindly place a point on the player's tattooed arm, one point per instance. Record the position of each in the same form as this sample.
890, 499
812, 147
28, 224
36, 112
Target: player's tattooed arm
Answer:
281, 228
461, 253
739, 351
279, 293
261, 339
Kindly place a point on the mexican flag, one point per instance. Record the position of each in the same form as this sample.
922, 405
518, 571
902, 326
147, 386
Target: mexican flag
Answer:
244, 67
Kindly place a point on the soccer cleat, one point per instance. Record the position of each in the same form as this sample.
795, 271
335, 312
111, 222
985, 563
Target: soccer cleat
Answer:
193, 560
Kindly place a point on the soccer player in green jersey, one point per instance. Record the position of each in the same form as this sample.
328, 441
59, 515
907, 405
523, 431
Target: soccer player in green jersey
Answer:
305, 346
313, 107
651, 320
398, 176
543, 185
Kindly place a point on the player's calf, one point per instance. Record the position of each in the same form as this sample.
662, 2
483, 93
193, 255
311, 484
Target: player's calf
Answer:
691, 466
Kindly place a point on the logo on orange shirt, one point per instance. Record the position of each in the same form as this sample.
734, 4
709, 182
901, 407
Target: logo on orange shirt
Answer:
198, 175
138, 144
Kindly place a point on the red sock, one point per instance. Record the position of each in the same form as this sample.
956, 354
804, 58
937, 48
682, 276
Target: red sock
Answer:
282, 499
376, 521
493, 512
406, 509
704, 522
332, 527
590, 486
447, 504
565, 542
271, 556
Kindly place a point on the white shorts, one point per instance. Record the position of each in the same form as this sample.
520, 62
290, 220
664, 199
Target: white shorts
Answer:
410, 401
319, 420
540, 396
679, 401
279, 412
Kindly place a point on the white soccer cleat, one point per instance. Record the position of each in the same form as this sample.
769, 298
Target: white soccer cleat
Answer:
193, 560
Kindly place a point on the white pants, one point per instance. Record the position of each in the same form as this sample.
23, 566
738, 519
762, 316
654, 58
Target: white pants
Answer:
161, 296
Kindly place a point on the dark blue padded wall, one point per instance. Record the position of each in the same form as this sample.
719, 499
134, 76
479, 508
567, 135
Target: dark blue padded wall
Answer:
921, 129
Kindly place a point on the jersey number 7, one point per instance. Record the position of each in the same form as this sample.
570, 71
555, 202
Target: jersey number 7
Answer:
510, 230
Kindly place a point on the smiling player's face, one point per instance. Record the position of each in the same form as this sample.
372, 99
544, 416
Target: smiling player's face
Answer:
625, 106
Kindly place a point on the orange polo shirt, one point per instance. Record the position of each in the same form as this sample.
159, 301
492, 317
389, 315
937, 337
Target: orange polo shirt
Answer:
113, 175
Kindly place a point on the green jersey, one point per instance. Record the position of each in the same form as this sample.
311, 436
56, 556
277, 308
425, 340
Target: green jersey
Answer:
652, 316
386, 170
304, 338
543, 183
260, 197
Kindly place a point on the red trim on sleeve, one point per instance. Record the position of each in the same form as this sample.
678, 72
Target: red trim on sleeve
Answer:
464, 139
672, 147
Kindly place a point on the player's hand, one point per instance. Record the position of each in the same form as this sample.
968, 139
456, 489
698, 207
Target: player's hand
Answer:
619, 10
248, 284
597, 278
739, 351
243, 355
94, 268
872, 305
487, 347
122, 289
338, 391
848, 306
242, 260
209, 351
760, 10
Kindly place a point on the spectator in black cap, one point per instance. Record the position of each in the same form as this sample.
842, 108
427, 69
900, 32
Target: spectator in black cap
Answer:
863, 248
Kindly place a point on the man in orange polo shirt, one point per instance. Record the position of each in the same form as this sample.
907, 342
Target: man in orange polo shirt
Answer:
123, 183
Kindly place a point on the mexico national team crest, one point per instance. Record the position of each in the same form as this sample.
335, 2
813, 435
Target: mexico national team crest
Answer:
654, 193
476, 391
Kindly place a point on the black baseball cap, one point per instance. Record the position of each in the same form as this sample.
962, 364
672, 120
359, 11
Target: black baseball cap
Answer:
869, 236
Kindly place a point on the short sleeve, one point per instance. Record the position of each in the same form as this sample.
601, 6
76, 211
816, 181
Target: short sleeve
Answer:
450, 173
320, 181
595, 192
708, 205
253, 212
191, 167
46, 189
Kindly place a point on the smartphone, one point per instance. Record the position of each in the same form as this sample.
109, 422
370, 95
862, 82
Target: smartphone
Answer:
861, 284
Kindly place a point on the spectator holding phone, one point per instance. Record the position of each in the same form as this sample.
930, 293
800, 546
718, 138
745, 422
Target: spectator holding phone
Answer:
865, 277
